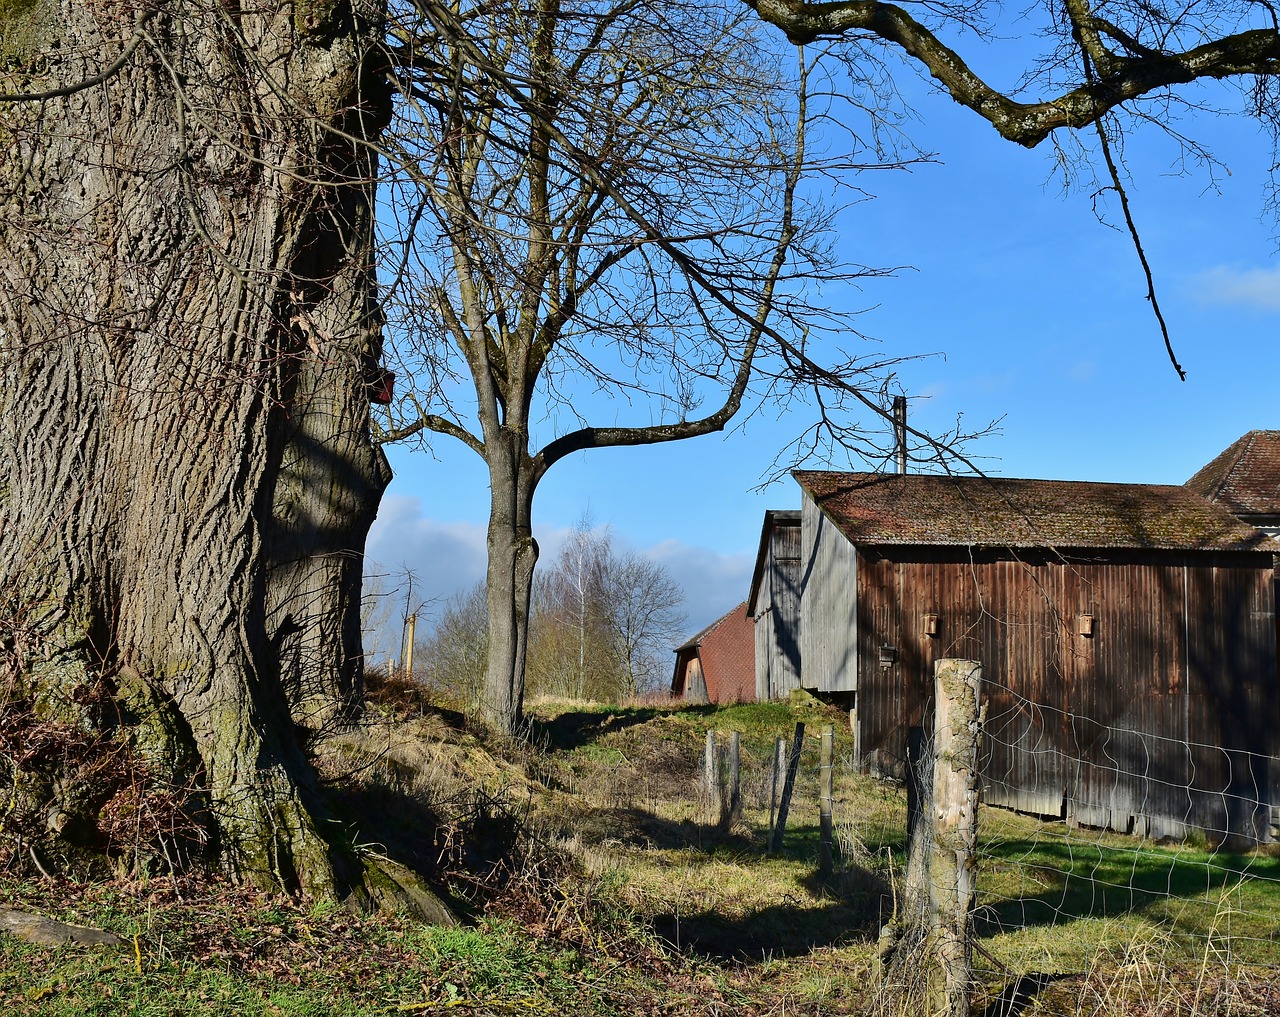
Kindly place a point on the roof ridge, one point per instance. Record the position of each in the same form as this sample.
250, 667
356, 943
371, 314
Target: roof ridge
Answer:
1025, 512
697, 638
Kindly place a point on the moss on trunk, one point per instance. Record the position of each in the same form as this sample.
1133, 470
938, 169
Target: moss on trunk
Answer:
187, 323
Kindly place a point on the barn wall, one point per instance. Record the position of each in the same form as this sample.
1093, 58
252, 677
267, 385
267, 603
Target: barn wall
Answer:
778, 616
828, 604
1182, 650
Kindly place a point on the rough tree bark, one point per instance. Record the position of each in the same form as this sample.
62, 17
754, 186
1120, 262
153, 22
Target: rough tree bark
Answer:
932, 928
188, 326
513, 553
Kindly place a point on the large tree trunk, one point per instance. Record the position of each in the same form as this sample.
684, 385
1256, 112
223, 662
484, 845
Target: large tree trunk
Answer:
513, 553
188, 325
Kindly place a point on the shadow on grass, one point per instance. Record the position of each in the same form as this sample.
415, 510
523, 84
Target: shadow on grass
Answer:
640, 828
1088, 881
844, 906
569, 731
1020, 994
768, 933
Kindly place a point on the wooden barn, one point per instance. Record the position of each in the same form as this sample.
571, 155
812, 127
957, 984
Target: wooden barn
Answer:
718, 665
1127, 635
774, 603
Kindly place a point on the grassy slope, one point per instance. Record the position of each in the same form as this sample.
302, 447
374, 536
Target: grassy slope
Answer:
617, 894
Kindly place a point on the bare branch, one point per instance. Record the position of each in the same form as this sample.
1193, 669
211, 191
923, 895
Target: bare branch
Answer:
110, 71
1120, 78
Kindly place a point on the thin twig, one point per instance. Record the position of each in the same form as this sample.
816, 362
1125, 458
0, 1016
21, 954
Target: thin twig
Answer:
1133, 228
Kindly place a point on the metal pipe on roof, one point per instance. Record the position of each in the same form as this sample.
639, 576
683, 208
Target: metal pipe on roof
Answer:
900, 431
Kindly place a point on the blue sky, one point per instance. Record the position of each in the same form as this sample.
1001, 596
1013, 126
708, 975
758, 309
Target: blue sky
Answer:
1036, 314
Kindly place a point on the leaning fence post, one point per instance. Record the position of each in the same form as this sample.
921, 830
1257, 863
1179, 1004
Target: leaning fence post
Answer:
826, 792
915, 891
793, 768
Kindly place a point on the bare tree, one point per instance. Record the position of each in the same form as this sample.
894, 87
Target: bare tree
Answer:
645, 618
601, 196
604, 620
452, 659
571, 623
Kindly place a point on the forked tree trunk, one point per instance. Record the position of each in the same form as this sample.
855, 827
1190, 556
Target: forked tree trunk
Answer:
188, 323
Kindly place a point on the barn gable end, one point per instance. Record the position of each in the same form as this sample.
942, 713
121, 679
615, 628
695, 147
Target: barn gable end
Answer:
774, 603
718, 664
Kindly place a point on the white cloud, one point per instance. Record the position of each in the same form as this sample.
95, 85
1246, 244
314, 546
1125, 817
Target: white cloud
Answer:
712, 581
443, 558
1257, 288
449, 558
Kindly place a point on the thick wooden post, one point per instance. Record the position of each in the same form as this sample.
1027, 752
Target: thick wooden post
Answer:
927, 951
826, 793
952, 867
711, 775
735, 779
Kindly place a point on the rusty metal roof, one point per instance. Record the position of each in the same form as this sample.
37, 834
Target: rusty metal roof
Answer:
1245, 479
878, 508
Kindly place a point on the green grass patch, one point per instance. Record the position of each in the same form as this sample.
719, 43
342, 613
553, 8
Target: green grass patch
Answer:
637, 901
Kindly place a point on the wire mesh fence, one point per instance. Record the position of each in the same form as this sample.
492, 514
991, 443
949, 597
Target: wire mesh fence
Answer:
1099, 845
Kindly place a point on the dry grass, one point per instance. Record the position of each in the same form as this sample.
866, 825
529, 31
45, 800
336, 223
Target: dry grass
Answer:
587, 855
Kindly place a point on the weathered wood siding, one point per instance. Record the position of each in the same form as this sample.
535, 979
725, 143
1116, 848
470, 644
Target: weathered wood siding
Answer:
829, 604
1164, 719
778, 616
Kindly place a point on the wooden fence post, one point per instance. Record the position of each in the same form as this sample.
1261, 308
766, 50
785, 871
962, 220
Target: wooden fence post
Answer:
826, 793
933, 925
952, 869
779, 765
915, 893
411, 623
793, 768
711, 775
735, 780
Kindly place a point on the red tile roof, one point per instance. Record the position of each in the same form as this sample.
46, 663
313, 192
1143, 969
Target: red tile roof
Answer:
1245, 479
727, 651
877, 508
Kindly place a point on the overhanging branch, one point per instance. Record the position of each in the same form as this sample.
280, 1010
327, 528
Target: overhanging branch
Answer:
1256, 51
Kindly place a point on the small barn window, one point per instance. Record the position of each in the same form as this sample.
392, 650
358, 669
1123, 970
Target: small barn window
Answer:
1085, 625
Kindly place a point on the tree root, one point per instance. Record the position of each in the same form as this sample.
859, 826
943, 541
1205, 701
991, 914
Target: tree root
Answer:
390, 886
43, 931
